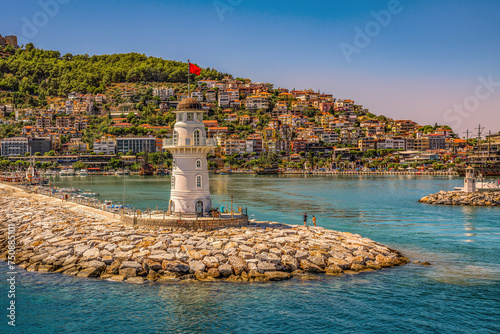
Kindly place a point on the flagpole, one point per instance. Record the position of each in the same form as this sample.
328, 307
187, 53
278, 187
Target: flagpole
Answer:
189, 70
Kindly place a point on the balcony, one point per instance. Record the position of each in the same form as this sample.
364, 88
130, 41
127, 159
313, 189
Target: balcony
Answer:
189, 142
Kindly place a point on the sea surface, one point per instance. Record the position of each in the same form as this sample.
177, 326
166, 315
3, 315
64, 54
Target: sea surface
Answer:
458, 293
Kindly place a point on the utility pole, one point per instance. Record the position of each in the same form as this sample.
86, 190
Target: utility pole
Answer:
489, 146
467, 132
479, 131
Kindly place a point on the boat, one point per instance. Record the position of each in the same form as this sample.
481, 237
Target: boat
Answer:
486, 169
267, 170
162, 172
225, 171
483, 185
70, 190
84, 172
123, 172
67, 172
89, 194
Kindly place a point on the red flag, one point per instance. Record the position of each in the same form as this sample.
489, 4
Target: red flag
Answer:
194, 69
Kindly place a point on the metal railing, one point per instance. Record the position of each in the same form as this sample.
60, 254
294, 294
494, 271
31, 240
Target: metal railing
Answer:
190, 142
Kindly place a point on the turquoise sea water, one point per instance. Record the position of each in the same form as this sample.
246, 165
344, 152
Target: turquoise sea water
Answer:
459, 293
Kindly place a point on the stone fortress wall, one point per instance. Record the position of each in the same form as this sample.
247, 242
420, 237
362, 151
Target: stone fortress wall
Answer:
8, 40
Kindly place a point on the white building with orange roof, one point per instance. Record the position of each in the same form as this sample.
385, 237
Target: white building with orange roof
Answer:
197, 94
256, 102
231, 117
286, 95
245, 119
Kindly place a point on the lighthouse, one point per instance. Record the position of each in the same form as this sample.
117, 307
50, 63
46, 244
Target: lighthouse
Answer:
189, 145
470, 180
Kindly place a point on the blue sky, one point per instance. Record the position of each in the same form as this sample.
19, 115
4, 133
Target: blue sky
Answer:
423, 61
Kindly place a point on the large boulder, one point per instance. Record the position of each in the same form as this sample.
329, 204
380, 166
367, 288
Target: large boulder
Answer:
80, 249
175, 266
225, 270
213, 272
264, 266
132, 264
289, 262
136, 280
91, 254
89, 272
310, 267
343, 264
239, 265
148, 265
100, 266
277, 275
114, 267
333, 270
195, 266
161, 255
128, 272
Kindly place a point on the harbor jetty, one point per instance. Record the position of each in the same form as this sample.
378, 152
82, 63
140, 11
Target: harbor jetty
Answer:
52, 236
463, 198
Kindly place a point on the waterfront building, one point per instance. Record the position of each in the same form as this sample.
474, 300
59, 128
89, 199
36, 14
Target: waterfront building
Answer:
189, 146
105, 145
21, 145
135, 144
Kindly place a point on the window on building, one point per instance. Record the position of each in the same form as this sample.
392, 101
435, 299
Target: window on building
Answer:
189, 116
174, 164
198, 164
198, 181
174, 135
197, 137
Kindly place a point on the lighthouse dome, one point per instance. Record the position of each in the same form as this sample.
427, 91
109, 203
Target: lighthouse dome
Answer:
189, 104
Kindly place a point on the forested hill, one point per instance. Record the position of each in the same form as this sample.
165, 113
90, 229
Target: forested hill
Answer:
35, 71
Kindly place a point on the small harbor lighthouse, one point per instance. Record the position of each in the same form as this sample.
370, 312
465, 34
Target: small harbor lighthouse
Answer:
189, 145
470, 185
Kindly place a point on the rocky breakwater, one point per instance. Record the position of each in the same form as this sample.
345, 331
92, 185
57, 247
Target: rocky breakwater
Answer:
463, 198
55, 237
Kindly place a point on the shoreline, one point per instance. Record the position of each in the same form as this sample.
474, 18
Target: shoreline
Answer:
62, 237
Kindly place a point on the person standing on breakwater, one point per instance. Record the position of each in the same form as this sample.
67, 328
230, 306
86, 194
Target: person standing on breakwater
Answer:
305, 218
314, 220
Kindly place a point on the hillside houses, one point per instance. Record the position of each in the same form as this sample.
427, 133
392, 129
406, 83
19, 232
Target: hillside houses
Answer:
246, 118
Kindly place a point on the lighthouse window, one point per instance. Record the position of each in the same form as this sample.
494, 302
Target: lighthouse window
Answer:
173, 164
198, 181
189, 116
173, 182
175, 138
199, 117
197, 135
198, 164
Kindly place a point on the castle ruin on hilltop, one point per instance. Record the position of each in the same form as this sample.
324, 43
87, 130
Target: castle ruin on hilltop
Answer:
8, 40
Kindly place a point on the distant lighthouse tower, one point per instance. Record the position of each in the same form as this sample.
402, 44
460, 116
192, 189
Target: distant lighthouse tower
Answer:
470, 181
190, 191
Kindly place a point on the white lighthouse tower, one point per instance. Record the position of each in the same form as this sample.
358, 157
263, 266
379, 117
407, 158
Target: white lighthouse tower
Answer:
470, 180
190, 191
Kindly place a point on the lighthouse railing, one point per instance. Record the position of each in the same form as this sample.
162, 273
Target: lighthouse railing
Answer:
189, 142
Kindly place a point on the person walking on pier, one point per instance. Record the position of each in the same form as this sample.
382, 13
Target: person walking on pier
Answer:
305, 218
314, 220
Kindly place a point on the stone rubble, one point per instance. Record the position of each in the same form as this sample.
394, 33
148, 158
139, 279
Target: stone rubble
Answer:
461, 198
55, 237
